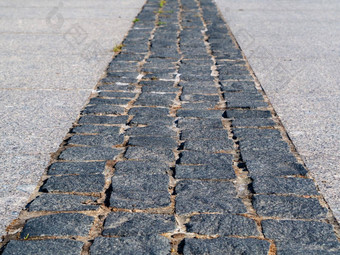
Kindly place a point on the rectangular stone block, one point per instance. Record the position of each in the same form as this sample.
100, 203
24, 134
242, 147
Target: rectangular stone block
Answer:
60, 168
137, 224
89, 153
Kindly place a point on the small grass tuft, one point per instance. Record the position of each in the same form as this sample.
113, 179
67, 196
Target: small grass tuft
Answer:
26, 237
118, 48
161, 23
162, 3
135, 20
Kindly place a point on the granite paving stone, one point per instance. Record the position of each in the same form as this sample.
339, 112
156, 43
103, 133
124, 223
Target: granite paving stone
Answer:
61, 202
222, 225
288, 207
62, 224
75, 183
89, 153
137, 224
63, 168
46, 247
226, 245
137, 245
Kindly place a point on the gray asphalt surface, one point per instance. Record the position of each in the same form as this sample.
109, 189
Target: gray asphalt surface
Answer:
294, 49
52, 55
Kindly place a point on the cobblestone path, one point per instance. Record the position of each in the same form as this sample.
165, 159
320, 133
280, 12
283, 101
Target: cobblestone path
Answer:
177, 152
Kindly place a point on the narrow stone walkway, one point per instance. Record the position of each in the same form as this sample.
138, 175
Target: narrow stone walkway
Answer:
177, 152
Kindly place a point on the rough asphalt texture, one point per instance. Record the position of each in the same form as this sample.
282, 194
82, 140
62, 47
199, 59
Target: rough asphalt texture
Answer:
178, 153
294, 48
52, 55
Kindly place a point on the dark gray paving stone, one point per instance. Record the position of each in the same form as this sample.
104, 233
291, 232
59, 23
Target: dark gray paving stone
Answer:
303, 251
150, 153
253, 122
198, 98
248, 114
149, 111
259, 168
204, 133
89, 153
107, 140
103, 109
280, 155
204, 172
60, 168
253, 104
140, 182
242, 96
185, 123
122, 74
152, 130
207, 196
138, 245
274, 185
46, 247
103, 119
62, 224
61, 202
116, 94
156, 88
212, 159
152, 120
288, 207
117, 87
74, 183
209, 145
264, 144
301, 234
226, 245
139, 200
198, 106
223, 225
132, 167
192, 88
137, 224
95, 129
152, 99
112, 101
252, 133
153, 141
215, 114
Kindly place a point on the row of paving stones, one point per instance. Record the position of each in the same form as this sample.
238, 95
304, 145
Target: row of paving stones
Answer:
177, 153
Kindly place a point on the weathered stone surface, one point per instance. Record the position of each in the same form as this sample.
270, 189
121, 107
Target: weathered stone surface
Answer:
95, 129
185, 123
207, 196
132, 167
204, 133
139, 245
149, 99
46, 247
137, 224
89, 153
122, 198
248, 114
140, 182
62, 224
301, 234
60, 168
214, 114
88, 119
150, 141
212, 159
205, 172
288, 207
209, 145
223, 225
226, 245
150, 153
103, 109
275, 185
152, 130
61, 202
97, 140
75, 183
